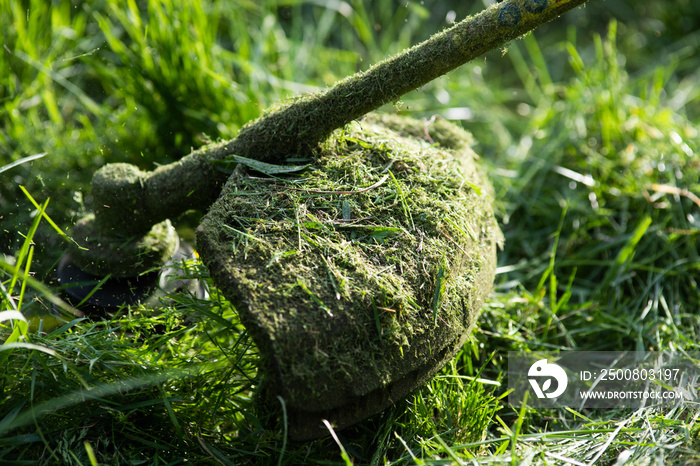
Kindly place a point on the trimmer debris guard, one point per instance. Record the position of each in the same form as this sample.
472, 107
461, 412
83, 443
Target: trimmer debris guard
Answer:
362, 275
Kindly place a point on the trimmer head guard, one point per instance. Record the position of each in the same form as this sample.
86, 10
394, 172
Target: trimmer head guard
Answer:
360, 275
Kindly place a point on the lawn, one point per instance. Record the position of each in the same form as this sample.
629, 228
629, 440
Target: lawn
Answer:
588, 129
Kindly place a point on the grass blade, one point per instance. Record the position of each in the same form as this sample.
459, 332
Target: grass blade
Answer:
48, 219
22, 160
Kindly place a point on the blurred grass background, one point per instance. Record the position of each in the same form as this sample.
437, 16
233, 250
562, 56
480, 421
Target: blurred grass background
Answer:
588, 126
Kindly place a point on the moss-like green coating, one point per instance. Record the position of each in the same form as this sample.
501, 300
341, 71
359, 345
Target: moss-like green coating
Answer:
121, 256
361, 277
118, 197
128, 201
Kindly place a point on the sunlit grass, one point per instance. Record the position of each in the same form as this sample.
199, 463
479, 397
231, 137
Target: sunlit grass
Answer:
595, 166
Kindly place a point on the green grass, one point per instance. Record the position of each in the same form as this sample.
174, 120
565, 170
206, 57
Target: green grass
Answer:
589, 130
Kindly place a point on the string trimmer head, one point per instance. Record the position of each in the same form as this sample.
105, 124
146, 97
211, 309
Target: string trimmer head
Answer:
359, 274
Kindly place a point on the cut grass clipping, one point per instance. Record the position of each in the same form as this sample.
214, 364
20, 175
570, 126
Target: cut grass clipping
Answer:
361, 275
